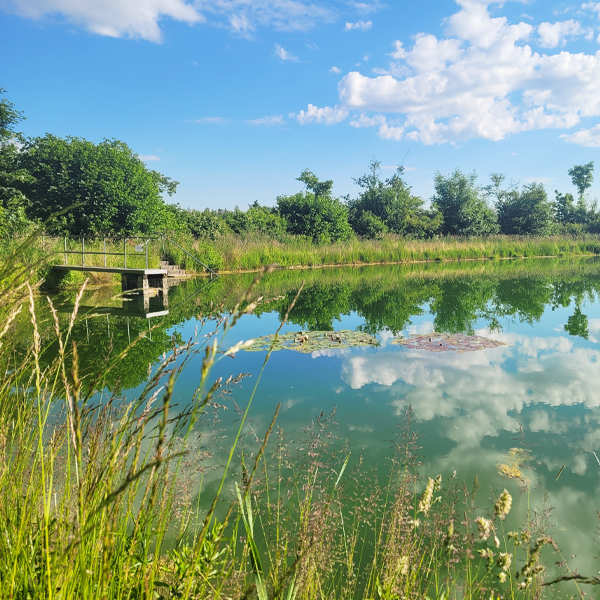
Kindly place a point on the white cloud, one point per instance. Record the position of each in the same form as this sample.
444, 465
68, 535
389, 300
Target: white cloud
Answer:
365, 121
554, 34
314, 114
590, 138
148, 157
593, 6
368, 7
267, 121
481, 81
282, 15
283, 54
335, 70
363, 25
209, 120
141, 18
114, 18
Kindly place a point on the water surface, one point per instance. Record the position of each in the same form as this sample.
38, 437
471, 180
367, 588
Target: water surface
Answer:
540, 391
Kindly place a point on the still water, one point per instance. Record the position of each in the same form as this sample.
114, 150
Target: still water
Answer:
539, 391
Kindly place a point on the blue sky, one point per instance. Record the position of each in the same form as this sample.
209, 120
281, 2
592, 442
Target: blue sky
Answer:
234, 98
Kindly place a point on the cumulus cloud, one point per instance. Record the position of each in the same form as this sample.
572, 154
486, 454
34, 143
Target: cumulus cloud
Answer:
335, 70
481, 80
148, 157
590, 138
283, 54
554, 34
114, 18
314, 114
267, 121
363, 25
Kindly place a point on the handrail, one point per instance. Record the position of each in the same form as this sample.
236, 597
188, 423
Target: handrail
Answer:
162, 236
190, 255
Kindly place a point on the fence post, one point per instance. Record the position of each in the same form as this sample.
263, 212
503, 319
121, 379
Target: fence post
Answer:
146, 254
82, 250
125, 252
65, 250
104, 241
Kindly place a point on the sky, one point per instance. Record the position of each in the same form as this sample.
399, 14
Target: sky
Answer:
235, 98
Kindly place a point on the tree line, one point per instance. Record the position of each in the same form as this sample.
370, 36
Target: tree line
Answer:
77, 187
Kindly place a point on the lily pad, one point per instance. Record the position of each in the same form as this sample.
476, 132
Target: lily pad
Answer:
448, 342
312, 341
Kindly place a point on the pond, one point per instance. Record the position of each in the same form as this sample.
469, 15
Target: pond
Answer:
535, 389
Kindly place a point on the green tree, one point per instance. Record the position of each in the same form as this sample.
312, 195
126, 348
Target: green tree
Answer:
314, 212
462, 205
392, 204
257, 219
367, 225
582, 177
100, 188
564, 208
204, 223
528, 212
12, 200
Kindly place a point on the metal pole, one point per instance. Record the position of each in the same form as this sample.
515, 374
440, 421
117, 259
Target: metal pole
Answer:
146, 254
125, 251
104, 251
65, 250
82, 250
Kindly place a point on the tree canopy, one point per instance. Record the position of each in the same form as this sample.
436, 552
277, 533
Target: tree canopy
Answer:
92, 188
389, 206
315, 213
462, 205
12, 176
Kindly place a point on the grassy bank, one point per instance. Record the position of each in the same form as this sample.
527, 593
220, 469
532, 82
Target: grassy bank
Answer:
237, 254
232, 253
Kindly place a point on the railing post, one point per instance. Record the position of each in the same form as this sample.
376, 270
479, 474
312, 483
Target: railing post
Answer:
125, 252
146, 254
65, 250
82, 250
104, 241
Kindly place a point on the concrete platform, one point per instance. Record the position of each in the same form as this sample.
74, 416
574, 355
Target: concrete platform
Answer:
121, 270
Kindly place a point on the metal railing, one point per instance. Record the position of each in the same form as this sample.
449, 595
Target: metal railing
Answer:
143, 247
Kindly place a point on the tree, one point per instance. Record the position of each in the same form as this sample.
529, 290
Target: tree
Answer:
314, 212
12, 199
582, 177
257, 219
98, 188
564, 208
204, 224
528, 212
460, 201
392, 204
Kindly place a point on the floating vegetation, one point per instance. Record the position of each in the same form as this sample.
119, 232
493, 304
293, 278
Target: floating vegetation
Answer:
447, 342
311, 341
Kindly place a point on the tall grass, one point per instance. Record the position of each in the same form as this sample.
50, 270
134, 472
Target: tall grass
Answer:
93, 489
253, 252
